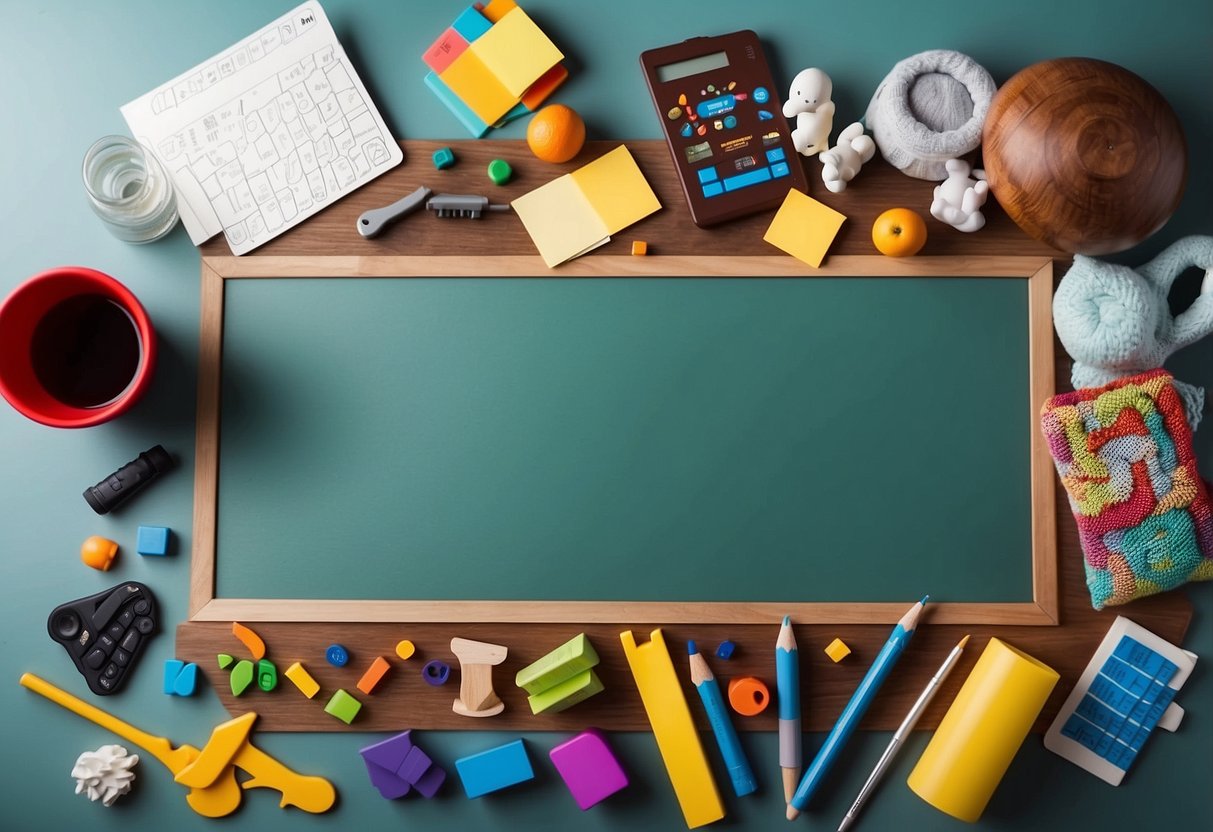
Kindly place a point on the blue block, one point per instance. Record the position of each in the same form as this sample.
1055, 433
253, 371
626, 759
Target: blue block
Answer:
180, 678
171, 668
498, 768
152, 540
726, 649
471, 24
444, 158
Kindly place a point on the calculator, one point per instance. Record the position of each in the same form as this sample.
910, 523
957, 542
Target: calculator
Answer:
1125, 692
105, 634
724, 125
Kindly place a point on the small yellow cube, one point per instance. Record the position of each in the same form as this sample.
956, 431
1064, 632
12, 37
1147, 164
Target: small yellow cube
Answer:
838, 650
302, 680
640, 248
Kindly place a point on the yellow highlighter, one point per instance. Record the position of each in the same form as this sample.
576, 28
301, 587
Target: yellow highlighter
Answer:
676, 736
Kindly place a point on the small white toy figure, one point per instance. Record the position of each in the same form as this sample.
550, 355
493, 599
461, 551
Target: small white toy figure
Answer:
809, 101
844, 160
958, 199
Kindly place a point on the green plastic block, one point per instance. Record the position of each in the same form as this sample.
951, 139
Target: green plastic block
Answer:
343, 706
242, 676
500, 171
267, 675
566, 694
225, 661
566, 661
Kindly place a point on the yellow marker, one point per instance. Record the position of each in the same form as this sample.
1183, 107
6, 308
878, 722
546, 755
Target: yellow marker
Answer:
303, 680
673, 728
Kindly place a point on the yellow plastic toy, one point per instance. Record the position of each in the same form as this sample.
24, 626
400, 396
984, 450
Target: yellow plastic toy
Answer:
837, 650
210, 773
98, 552
674, 729
982, 731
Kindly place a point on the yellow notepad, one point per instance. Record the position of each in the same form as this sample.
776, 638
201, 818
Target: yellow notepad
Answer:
804, 228
580, 211
516, 51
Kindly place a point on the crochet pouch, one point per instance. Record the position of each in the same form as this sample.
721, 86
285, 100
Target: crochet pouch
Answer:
1124, 453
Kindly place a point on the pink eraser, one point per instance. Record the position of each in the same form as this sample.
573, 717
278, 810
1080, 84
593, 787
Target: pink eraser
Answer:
588, 768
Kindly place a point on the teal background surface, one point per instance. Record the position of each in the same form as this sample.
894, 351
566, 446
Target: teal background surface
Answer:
625, 439
69, 66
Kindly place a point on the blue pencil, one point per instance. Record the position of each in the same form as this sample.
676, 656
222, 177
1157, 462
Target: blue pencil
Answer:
855, 709
726, 737
787, 681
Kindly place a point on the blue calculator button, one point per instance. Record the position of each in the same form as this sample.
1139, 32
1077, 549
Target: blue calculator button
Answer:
744, 180
765, 115
717, 106
775, 155
686, 130
761, 95
713, 189
730, 122
779, 169
707, 175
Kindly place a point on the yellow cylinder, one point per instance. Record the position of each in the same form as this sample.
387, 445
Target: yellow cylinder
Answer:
982, 731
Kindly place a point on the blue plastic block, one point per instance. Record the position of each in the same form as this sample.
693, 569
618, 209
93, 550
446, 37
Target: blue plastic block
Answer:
180, 678
498, 768
337, 655
725, 650
171, 668
471, 24
152, 540
444, 158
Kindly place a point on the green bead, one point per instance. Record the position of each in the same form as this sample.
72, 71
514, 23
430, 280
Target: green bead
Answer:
500, 171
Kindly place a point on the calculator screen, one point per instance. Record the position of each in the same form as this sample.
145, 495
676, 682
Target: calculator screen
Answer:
692, 66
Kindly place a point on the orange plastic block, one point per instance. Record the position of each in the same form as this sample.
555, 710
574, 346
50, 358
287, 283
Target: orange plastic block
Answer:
640, 248
250, 640
373, 674
98, 552
497, 9
748, 695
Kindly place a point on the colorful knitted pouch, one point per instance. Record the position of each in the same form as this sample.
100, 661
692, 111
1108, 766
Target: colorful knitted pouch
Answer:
1124, 453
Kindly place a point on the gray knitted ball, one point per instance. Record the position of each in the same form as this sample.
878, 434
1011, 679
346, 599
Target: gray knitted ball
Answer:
930, 108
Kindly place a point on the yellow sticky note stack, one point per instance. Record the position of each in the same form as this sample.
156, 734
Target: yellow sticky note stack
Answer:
580, 211
476, 85
804, 228
516, 51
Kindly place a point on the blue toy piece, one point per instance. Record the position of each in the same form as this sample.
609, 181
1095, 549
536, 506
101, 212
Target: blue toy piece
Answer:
444, 158
726, 649
498, 768
471, 24
337, 655
180, 678
436, 672
1115, 321
152, 540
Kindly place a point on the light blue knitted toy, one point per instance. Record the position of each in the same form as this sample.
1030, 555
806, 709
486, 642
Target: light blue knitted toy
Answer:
1114, 321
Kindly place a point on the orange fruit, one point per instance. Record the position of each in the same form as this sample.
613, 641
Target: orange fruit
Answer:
556, 133
899, 232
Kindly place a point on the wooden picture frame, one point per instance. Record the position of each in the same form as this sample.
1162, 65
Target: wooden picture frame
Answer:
204, 606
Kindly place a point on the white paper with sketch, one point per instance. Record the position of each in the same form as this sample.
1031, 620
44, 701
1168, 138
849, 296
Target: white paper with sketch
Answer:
267, 133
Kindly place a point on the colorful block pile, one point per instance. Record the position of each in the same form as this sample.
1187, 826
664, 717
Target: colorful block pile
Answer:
492, 65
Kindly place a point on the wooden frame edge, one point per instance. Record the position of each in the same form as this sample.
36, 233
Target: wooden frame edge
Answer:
1043, 610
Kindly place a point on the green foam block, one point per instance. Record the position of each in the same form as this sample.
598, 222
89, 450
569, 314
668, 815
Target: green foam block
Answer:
225, 660
566, 694
343, 706
568, 660
242, 676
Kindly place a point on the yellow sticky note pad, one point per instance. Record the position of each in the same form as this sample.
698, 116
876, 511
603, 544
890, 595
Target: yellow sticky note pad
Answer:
476, 85
516, 51
804, 228
617, 189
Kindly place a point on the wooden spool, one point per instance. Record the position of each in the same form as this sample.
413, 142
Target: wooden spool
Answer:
1084, 155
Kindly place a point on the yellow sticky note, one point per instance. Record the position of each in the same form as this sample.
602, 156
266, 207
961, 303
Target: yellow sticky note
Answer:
617, 189
474, 84
560, 220
804, 228
516, 51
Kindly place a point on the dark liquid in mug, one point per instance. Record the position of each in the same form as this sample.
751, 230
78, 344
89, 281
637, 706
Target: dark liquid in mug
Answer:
85, 351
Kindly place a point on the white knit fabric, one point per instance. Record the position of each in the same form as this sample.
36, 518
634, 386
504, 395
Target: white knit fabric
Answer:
929, 109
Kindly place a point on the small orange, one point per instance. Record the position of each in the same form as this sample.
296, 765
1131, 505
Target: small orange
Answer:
556, 133
899, 232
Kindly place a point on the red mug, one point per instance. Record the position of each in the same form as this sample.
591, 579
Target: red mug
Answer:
76, 348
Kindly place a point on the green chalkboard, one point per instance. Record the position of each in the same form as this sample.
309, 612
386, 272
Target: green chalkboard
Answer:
841, 439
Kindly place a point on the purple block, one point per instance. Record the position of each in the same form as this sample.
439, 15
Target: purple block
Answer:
388, 784
428, 784
390, 753
414, 765
588, 768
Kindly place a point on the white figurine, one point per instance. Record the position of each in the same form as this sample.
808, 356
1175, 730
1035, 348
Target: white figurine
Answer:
809, 101
105, 774
843, 161
959, 198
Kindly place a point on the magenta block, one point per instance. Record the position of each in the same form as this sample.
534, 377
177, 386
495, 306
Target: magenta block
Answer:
588, 768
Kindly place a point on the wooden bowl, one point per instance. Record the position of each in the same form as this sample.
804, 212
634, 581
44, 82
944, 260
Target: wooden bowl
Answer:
1084, 155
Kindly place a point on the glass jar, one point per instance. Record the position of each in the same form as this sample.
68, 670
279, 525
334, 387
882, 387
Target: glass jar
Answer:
129, 190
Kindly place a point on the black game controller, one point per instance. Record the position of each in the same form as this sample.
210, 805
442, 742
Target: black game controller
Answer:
105, 633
